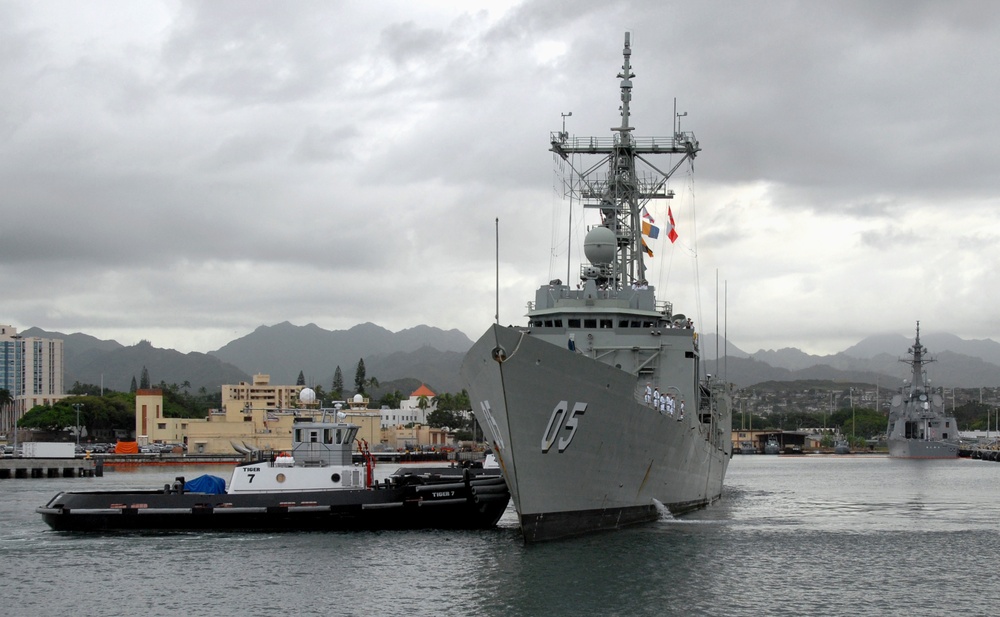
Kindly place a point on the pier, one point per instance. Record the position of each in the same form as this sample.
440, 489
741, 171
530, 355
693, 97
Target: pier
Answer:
50, 468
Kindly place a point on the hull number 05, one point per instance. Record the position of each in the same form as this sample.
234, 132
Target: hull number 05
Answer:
562, 418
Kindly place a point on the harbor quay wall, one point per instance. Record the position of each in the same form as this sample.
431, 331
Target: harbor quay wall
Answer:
49, 468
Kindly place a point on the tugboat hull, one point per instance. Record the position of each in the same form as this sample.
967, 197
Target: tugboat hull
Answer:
470, 501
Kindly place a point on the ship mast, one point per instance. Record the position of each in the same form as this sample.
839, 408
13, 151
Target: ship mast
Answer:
621, 192
917, 361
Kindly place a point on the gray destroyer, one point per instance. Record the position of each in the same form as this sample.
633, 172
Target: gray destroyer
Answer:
918, 424
563, 400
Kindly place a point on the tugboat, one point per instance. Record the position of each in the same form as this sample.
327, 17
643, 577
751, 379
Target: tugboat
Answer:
566, 399
918, 424
315, 486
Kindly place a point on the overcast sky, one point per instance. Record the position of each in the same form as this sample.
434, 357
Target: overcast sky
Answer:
184, 172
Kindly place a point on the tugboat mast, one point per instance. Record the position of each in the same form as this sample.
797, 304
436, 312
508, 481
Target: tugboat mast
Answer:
621, 193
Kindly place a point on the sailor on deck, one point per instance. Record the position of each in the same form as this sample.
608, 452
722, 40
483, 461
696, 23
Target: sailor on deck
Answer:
649, 393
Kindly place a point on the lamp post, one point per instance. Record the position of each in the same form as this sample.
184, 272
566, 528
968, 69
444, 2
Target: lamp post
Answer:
830, 411
853, 423
77, 407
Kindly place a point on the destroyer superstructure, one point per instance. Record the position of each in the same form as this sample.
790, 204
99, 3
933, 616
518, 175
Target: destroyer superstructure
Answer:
919, 427
563, 400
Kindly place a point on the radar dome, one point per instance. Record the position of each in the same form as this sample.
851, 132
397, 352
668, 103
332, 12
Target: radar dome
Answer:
599, 246
307, 395
358, 398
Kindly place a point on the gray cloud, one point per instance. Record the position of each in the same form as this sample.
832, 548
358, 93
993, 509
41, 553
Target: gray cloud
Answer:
195, 170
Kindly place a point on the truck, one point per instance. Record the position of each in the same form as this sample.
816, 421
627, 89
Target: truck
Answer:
48, 449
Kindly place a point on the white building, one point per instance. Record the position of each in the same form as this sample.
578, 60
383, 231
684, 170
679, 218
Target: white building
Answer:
409, 410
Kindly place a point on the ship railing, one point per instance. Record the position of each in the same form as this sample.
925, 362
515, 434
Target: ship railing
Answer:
679, 142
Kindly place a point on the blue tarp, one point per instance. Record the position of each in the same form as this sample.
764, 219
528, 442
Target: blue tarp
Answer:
211, 485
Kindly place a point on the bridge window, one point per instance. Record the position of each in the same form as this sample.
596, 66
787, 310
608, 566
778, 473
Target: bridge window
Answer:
574, 323
590, 323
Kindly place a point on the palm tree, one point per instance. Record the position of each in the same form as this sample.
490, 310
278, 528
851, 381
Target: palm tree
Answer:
6, 400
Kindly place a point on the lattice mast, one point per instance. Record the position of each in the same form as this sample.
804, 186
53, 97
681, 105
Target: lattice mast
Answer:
621, 192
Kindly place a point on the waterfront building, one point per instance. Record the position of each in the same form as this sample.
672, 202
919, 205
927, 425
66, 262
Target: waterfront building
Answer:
31, 369
416, 437
409, 411
249, 419
260, 393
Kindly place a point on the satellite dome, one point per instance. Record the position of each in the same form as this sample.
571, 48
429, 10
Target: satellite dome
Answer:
599, 246
307, 395
358, 398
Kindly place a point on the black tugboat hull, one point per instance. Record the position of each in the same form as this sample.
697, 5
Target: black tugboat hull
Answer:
469, 502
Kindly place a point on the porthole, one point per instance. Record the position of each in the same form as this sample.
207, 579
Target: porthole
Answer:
280, 477
335, 478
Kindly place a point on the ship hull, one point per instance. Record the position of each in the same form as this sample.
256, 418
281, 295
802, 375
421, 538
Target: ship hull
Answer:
442, 502
918, 448
579, 451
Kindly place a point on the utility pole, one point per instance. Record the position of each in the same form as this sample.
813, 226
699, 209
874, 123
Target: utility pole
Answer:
853, 421
77, 406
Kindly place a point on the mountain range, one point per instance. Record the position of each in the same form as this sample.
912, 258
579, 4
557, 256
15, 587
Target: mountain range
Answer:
433, 356
960, 363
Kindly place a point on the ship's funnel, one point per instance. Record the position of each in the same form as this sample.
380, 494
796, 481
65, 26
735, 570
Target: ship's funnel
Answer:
599, 246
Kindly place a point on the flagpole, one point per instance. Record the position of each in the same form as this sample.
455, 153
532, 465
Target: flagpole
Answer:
497, 243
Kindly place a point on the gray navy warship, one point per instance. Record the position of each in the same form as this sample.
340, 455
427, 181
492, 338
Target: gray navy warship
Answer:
918, 424
563, 399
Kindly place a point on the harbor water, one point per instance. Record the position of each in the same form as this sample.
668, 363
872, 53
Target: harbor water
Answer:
805, 535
